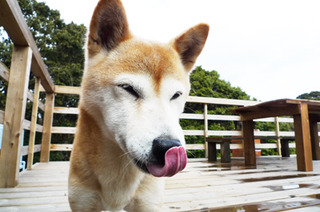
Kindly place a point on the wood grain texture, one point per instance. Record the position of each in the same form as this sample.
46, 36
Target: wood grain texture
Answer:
11, 18
47, 126
14, 116
202, 186
33, 125
303, 139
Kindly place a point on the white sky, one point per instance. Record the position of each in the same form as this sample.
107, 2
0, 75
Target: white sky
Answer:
268, 48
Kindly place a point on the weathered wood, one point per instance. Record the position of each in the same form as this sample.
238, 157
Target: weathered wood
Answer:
250, 115
63, 130
67, 90
212, 186
220, 101
34, 117
27, 124
4, 72
11, 18
14, 116
285, 151
303, 140
30, 97
1, 116
66, 110
206, 124
249, 148
68, 147
195, 146
61, 147
314, 138
276, 121
47, 126
25, 149
213, 117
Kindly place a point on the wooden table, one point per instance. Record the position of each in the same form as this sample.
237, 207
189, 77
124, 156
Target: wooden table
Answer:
306, 114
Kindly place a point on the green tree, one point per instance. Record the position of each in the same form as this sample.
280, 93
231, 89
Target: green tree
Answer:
314, 95
208, 84
61, 47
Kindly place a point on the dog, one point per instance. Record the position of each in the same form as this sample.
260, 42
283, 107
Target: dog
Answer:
128, 135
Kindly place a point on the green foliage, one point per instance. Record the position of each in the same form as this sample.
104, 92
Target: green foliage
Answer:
208, 84
314, 95
61, 47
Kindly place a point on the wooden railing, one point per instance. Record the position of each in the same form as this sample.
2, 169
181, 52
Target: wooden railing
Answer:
205, 117
25, 58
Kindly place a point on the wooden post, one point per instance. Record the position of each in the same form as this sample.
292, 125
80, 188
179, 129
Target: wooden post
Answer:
303, 141
14, 116
33, 123
248, 143
314, 139
205, 114
276, 120
47, 126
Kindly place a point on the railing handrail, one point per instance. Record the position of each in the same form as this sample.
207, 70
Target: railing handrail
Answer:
11, 18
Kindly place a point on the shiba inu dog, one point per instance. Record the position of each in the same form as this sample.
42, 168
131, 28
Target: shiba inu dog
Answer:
128, 133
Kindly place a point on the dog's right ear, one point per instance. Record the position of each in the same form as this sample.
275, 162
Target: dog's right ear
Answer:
108, 27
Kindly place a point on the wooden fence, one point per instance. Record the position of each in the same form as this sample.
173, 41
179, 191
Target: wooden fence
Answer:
25, 58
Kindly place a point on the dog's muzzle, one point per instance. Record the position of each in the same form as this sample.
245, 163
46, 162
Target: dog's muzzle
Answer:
168, 158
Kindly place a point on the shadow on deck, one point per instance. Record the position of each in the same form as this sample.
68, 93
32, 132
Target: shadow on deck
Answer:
274, 186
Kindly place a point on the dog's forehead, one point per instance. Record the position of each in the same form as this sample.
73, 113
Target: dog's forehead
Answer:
158, 61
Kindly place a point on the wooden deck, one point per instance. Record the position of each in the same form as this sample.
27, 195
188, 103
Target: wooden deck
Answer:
274, 186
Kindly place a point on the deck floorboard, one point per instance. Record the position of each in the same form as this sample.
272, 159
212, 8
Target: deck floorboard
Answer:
274, 185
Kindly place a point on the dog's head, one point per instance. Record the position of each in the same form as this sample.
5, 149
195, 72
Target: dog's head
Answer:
136, 90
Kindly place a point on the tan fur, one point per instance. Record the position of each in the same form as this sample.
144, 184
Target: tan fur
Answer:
102, 175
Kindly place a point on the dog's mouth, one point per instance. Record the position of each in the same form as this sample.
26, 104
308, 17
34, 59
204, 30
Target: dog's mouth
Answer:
175, 160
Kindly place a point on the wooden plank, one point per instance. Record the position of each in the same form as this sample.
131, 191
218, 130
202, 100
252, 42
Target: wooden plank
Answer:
11, 18
25, 149
236, 146
4, 72
201, 186
195, 146
1, 116
34, 116
27, 124
213, 117
63, 130
206, 124
303, 140
238, 133
30, 97
67, 90
47, 126
270, 112
314, 138
220, 101
66, 110
61, 147
14, 116
249, 149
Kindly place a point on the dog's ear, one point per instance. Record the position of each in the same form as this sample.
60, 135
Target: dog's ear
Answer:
108, 27
190, 44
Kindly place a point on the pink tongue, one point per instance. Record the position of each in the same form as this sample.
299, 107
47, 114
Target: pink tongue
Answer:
175, 161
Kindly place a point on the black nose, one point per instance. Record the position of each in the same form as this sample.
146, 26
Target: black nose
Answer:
160, 146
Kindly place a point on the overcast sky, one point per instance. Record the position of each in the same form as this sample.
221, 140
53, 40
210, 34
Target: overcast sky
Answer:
268, 48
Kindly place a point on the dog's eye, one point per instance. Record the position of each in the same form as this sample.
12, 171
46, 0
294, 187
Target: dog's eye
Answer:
176, 95
130, 90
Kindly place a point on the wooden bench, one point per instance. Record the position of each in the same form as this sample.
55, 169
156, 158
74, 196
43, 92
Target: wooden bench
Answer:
226, 150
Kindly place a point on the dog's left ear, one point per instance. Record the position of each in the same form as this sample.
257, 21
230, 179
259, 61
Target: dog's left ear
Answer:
108, 27
190, 44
